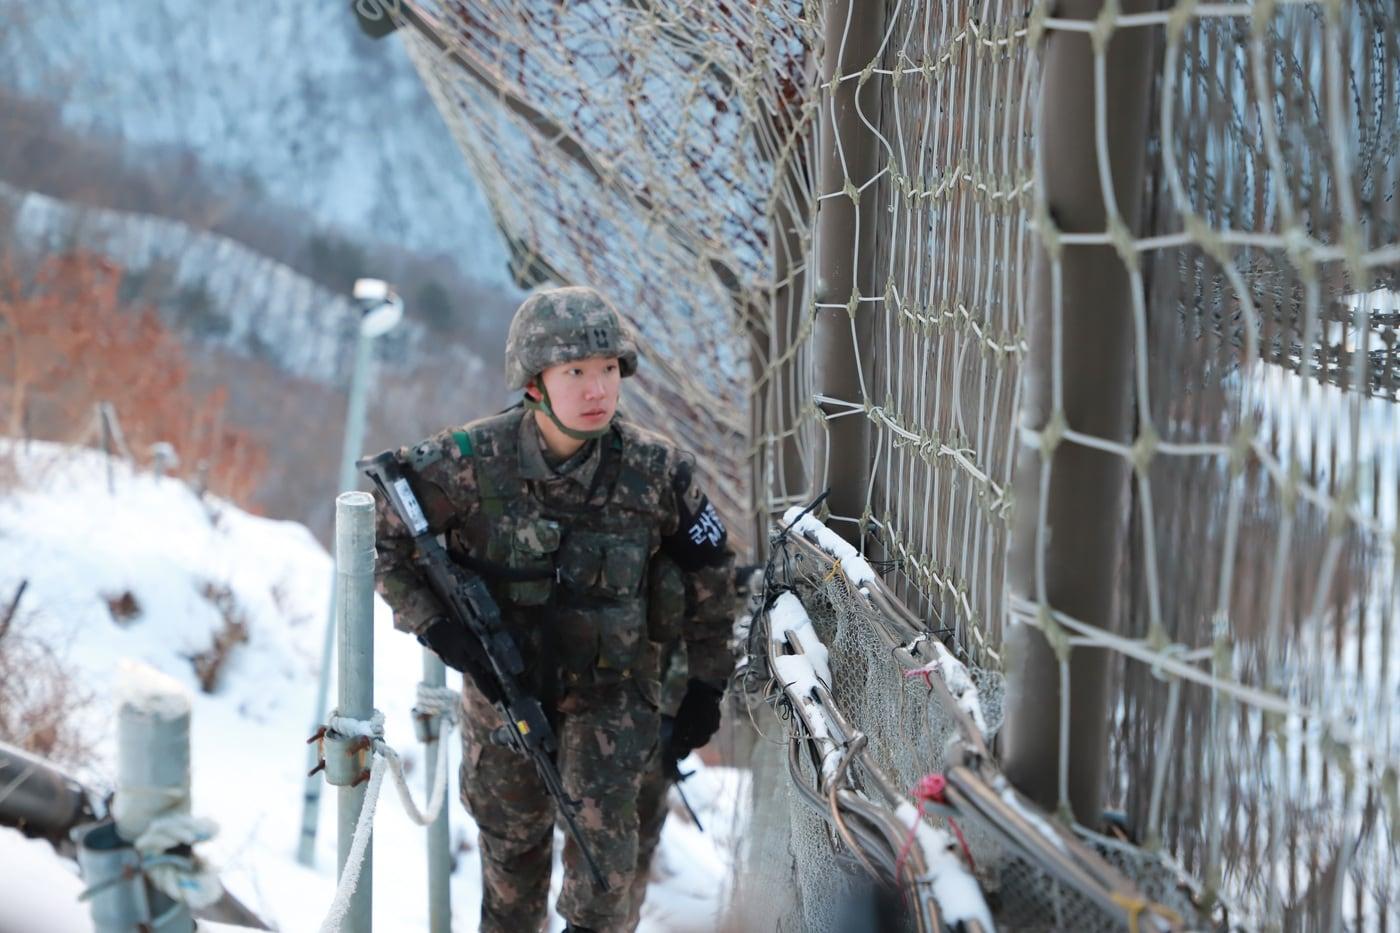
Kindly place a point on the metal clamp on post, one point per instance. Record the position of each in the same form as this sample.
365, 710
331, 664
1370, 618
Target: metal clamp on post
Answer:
426, 723
347, 759
119, 893
347, 748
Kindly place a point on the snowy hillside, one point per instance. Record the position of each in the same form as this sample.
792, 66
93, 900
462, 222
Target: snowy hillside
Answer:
235, 298
289, 96
151, 572
254, 306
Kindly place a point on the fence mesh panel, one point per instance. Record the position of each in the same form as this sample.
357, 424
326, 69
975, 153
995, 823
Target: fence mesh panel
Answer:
1263, 543
687, 157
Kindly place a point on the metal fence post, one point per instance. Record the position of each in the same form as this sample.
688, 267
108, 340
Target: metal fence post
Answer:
779, 471
1085, 501
354, 561
439, 847
845, 235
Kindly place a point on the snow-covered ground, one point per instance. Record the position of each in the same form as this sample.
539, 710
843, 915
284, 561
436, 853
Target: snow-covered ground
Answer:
188, 564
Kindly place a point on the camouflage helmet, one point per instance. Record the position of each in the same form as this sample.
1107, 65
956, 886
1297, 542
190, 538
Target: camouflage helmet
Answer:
560, 325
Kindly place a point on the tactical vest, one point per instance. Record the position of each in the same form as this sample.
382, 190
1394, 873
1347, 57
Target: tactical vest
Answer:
582, 571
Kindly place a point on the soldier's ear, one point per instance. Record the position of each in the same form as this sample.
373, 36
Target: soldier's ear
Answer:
532, 391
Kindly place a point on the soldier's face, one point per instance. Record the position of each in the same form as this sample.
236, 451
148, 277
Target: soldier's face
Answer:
584, 393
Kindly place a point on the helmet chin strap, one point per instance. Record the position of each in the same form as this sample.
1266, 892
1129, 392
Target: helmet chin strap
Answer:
544, 406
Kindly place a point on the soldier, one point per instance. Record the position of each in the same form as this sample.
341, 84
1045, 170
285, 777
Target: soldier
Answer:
600, 550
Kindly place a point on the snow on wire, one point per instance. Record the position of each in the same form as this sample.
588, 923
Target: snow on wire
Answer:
806, 680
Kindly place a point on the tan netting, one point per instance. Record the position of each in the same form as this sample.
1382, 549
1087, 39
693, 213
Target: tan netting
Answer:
835, 229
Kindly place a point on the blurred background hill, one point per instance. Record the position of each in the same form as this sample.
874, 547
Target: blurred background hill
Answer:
237, 167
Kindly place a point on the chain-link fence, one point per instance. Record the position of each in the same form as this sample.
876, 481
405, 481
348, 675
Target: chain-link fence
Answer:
1084, 311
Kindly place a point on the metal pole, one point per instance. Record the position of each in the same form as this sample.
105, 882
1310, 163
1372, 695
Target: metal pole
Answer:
122, 900
354, 561
777, 470
1084, 508
355, 412
38, 798
845, 237
439, 848
106, 446
349, 451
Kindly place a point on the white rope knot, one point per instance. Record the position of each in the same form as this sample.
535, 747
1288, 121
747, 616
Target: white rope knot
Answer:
439, 701
372, 728
189, 879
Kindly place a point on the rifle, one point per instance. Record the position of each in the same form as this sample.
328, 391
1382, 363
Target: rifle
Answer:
467, 601
677, 776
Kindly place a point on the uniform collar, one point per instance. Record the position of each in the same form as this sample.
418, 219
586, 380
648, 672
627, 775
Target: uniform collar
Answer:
581, 467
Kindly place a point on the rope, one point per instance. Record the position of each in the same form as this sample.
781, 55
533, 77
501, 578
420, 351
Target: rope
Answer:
439, 701
440, 780
188, 880
442, 702
372, 728
350, 874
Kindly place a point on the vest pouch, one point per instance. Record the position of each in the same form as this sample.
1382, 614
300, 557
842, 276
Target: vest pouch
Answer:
528, 544
606, 628
581, 562
602, 644
604, 565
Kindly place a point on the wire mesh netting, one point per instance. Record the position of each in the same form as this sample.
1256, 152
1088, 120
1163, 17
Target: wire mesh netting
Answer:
904, 735
617, 145
1262, 546
1058, 299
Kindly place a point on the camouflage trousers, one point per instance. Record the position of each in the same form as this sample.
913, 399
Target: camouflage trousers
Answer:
651, 817
607, 742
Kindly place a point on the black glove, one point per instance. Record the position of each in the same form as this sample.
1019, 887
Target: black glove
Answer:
697, 719
460, 650
665, 737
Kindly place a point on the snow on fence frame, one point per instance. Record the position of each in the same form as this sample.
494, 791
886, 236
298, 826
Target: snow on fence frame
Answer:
969, 790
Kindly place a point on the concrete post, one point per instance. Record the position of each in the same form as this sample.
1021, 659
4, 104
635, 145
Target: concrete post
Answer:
354, 583
153, 780
153, 752
845, 230
1084, 508
439, 847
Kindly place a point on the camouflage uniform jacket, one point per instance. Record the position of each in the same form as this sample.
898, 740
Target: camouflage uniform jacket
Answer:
593, 563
